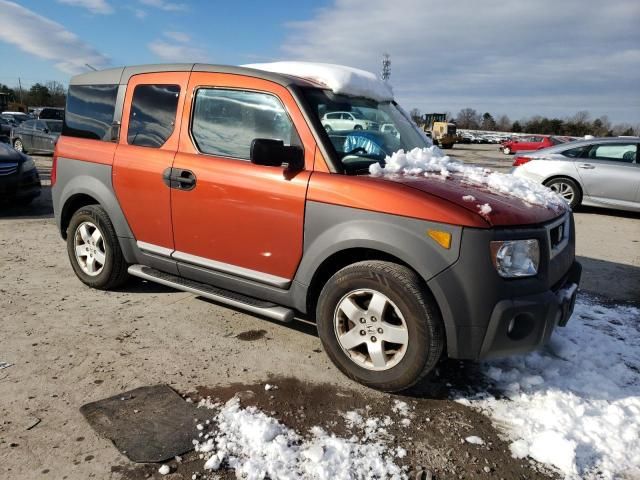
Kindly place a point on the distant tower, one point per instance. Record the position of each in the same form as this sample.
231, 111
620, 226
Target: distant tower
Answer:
386, 66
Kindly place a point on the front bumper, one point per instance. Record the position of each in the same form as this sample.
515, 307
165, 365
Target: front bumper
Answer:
20, 185
525, 323
486, 315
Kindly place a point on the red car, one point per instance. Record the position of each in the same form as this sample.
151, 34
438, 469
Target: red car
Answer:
534, 142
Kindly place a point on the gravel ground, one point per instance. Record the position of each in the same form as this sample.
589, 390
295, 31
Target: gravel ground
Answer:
71, 345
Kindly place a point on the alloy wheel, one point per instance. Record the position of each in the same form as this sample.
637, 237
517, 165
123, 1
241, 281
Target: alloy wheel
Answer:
17, 145
564, 190
370, 329
90, 249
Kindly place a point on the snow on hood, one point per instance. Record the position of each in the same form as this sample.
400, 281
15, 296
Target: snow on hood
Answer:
432, 161
339, 78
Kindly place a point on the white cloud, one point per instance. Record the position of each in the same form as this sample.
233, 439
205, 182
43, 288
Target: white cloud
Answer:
94, 6
525, 51
180, 37
176, 48
46, 39
165, 5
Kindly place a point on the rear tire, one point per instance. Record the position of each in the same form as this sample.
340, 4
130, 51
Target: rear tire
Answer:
401, 343
358, 127
568, 189
506, 150
94, 250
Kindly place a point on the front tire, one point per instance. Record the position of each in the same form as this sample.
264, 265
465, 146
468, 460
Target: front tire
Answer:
568, 189
18, 146
379, 325
94, 250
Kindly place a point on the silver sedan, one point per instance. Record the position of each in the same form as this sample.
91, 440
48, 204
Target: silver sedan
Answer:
599, 172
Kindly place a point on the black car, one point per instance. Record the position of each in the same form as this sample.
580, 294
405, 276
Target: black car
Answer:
36, 136
51, 113
19, 179
17, 117
5, 129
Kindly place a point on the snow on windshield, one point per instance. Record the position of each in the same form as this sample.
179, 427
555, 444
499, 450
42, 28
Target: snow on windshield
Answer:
339, 78
430, 161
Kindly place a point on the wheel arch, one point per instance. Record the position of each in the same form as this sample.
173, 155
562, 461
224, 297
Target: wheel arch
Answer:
569, 177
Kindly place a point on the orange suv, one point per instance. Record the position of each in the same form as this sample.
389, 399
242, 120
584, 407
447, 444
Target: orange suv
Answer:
222, 181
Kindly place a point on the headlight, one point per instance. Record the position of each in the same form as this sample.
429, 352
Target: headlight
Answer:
516, 258
28, 164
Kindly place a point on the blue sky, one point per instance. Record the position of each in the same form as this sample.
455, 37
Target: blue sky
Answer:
519, 57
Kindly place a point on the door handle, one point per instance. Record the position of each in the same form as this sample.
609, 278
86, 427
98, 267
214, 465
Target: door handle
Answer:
179, 178
586, 166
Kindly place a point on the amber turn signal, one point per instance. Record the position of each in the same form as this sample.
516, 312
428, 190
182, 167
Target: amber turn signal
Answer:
443, 238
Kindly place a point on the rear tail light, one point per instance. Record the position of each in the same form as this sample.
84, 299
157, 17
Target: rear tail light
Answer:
54, 168
521, 161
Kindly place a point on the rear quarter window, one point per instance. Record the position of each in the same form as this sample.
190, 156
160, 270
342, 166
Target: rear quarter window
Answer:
90, 110
153, 114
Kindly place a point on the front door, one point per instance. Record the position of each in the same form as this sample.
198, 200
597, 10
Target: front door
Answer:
148, 143
610, 172
237, 217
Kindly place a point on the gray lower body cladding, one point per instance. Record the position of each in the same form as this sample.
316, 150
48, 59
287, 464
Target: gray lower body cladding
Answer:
478, 305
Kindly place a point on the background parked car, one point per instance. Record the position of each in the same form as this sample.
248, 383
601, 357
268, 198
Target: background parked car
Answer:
5, 129
19, 179
600, 172
51, 113
534, 142
17, 117
36, 135
347, 121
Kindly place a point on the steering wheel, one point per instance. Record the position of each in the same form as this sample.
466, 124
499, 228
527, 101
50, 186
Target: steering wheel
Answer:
356, 150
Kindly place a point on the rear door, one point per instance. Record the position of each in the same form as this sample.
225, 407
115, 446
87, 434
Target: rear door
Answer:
26, 134
610, 172
40, 136
238, 217
148, 143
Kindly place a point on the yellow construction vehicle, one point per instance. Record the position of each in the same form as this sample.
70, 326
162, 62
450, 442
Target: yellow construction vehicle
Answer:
442, 133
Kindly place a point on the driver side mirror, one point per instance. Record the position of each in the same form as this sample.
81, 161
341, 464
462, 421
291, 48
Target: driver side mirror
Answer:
274, 153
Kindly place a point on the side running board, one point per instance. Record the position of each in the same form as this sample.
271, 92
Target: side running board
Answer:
233, 299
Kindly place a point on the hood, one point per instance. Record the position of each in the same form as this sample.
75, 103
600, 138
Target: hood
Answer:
497, 209
8, 154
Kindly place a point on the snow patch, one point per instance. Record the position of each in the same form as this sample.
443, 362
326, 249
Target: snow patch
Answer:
338, 78
257, 446
474, 440
164, 470
484, 209
468, 198
574, 405
431, 160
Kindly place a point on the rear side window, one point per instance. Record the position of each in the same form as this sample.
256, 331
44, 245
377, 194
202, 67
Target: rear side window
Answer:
89, 111
225, 122
153, 114
614, 152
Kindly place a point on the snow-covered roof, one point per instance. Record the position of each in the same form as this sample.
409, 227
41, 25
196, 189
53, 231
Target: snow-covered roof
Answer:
338, 78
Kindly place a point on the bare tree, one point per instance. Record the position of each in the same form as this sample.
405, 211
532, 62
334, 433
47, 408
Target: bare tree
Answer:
468, 118
503, 124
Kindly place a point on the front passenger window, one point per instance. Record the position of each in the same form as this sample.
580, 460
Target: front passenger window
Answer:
225, 122
614, 152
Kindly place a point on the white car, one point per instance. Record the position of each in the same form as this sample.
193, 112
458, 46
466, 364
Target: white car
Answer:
598, 172
347, 121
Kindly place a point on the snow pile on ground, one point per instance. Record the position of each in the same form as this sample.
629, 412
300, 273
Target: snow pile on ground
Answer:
257, 446
339, 78
429, 161
575, 405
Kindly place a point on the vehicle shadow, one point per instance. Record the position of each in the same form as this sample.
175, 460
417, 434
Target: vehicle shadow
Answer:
610, 281
609, 212
40, 207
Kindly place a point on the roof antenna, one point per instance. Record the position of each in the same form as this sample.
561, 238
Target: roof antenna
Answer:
91, 67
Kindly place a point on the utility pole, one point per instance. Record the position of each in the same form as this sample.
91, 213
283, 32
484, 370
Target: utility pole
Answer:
20, 90
386, 66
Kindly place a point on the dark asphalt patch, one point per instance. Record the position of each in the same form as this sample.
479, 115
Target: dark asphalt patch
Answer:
148, 424
251, 335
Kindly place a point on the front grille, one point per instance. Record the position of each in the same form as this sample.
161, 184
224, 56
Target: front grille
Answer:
558, 234
8, 168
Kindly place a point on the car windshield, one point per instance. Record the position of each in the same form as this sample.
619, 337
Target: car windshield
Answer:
54, 127
380, 128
